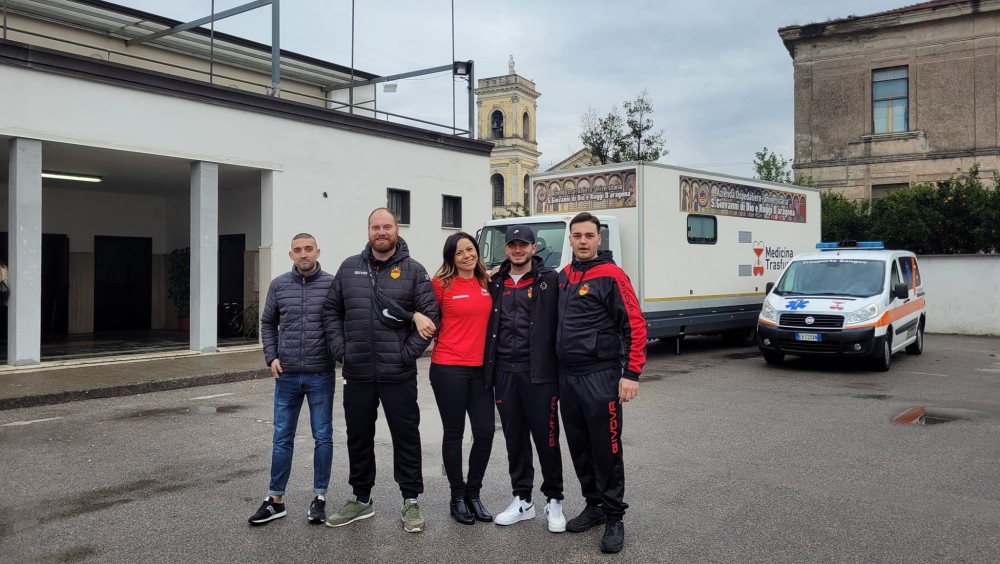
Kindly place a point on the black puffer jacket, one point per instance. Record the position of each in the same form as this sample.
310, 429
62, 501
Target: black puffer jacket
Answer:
370, 350
291, 325
543, 316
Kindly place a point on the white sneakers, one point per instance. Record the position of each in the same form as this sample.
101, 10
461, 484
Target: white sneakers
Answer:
518, 510
557, 521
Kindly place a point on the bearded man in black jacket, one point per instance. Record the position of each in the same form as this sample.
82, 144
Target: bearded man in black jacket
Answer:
369, 320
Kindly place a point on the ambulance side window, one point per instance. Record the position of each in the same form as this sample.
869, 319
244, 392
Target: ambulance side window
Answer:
916, 271
895, 276
904, 267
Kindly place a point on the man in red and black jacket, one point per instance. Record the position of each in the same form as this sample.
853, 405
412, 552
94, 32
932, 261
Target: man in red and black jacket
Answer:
601, 347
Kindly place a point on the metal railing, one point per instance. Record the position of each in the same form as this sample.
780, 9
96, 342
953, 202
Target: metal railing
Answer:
211, 76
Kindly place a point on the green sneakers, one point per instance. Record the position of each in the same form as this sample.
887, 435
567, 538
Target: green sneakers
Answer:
353, 511
413, 520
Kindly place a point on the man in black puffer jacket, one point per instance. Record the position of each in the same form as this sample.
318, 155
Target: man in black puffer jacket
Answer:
295, 348
375, 337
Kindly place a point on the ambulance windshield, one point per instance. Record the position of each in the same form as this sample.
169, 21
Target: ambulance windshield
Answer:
832, 277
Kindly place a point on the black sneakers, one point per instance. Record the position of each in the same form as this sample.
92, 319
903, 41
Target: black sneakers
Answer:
317, 511
614, 537
589, 518
269, 511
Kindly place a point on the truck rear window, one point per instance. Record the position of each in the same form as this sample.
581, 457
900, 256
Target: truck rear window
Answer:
702, 230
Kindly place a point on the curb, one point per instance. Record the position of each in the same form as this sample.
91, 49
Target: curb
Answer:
131, 389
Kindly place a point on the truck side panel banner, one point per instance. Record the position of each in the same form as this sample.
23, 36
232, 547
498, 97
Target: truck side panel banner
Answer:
713, 197
595, 191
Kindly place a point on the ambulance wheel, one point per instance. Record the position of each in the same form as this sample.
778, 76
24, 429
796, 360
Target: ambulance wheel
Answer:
884, 361
917, 347
774, 358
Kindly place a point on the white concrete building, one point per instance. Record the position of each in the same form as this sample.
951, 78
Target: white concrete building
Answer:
192, 153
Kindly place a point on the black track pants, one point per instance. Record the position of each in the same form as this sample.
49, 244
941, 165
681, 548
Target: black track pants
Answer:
592, 420
399, 402
459, 390
530, 412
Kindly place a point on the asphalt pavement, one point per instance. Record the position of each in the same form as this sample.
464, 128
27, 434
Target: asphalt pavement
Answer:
727, 460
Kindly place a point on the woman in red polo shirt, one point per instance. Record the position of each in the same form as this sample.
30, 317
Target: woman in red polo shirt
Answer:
457, 372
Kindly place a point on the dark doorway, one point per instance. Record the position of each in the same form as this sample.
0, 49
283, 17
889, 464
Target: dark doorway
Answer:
55, 283
123, 283
231, 249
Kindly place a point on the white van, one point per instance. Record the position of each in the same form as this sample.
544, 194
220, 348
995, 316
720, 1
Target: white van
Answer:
850, 299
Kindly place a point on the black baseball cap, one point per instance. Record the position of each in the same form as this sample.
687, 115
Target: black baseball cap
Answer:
520, 233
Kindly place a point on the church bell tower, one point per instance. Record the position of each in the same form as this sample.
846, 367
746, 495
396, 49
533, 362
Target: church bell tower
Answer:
506, 106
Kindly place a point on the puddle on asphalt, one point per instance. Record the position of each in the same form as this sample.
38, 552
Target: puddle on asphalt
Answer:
929, 419
196, 410
743, 355
924, 416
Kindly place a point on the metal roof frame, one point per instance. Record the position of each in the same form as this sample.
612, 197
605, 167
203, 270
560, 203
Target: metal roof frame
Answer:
275, 33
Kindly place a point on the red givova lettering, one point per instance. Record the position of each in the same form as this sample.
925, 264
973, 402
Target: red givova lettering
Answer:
613, 425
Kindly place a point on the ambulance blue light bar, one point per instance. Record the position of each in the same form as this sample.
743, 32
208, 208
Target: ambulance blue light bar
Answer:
851, 245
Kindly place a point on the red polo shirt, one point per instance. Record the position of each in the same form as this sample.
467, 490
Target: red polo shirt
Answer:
465, 312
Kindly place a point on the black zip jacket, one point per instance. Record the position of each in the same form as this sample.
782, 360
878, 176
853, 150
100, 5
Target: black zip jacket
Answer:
601, 324
540, 336
370, 350
291, 327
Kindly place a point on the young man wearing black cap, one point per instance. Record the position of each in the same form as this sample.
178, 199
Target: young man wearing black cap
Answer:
520, 364
601, 346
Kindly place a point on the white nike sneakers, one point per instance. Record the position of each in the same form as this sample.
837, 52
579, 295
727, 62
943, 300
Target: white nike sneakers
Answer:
554, 512
518, 510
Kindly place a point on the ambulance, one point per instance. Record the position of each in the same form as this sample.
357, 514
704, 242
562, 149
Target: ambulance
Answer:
848, 299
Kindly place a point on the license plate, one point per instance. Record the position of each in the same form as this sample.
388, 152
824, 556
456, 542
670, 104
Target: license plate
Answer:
814, 337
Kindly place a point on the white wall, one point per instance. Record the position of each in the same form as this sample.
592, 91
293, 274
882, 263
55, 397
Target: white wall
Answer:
81, 214
239, 212
354, 169
963, 293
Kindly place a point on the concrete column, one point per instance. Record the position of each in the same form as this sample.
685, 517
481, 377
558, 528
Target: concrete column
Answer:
24, 252
204, 256
264, 267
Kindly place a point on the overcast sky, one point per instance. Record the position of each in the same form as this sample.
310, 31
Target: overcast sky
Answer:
718, 75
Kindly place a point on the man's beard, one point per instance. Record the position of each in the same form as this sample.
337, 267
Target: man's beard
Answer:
384, 245
527, 260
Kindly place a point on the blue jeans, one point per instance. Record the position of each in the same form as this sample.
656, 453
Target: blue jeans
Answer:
289, 391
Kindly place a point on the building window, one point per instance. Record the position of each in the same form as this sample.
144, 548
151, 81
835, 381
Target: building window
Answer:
525, 132
527, 194
890, 100
702, 230
879, 190
498, 189
451, 211
496, 124
398, 202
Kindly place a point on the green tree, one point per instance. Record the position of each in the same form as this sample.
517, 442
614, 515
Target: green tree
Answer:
772, 167
843, 219
957, 215
601, 135
640, 142
613, 139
